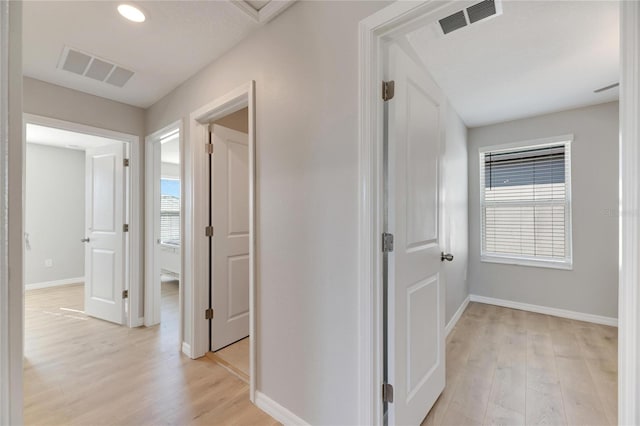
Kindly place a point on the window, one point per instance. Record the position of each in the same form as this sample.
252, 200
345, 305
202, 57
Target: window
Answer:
170, 211
525, 201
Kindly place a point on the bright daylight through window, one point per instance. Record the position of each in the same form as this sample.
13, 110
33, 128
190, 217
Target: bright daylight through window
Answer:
525, 201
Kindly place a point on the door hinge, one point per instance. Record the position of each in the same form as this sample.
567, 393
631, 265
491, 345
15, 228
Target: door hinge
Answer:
387, 392
387, 242
125, 162
209, 148
208, 231
125, 294
125, 227
208, 314
388, 90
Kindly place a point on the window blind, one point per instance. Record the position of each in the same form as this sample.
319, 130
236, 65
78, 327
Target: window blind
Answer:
525, 203
169, 212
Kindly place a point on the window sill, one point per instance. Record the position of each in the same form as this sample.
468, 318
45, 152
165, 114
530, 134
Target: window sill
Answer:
536, 263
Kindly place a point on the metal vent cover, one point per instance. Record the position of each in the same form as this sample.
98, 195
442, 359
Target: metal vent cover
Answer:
453, 22
481, 10
91, 66
470, 15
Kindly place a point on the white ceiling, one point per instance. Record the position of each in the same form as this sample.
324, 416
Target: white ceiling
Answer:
537, 57
50, 136
178, 39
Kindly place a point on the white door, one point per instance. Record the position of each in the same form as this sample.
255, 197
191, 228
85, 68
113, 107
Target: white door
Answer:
416, 353
230, 219
104, 253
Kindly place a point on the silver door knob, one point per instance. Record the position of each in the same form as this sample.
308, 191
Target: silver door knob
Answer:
85, 240
446, 256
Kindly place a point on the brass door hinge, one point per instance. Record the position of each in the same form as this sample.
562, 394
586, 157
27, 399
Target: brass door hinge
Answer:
388, 90
125, 162
125, 294
208, 314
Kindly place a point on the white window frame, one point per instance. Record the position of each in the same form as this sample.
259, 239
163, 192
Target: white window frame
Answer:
567, 262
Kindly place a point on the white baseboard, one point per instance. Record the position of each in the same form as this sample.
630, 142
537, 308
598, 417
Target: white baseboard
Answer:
454, 320
186, 349
277, 411
562, 313
137, 322
56, 283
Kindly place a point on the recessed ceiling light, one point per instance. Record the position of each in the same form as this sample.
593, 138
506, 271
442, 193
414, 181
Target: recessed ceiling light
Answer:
132, 13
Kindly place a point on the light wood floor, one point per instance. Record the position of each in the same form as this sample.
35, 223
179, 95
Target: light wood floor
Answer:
83, 371
510, 367
235, 358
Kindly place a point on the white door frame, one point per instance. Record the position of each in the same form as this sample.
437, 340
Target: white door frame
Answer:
11, 214
152, 297
372, 30
133, 239
196, 183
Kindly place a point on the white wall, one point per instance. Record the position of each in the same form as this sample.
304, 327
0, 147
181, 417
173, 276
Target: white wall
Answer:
305, 67
592, 286
54, 213
170, 170
455, 209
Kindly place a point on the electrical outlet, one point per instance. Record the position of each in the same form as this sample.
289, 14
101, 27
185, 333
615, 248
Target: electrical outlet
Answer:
48, 263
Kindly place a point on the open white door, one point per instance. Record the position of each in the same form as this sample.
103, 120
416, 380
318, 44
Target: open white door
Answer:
230, 254
416, 351
104, 253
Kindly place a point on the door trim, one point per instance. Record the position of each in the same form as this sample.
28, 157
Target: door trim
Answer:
196, 271
152, 298
371, 32
133, 247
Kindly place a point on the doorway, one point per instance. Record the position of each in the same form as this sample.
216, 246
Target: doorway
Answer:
226, 127
164, 206
229, 255
78, 216
381, 30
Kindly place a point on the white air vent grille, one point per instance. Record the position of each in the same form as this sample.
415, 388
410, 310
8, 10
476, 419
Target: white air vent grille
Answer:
90, 66
470, 15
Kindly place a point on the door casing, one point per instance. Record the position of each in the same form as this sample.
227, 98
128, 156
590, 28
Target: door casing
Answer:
398, 17
196, 272
133, 258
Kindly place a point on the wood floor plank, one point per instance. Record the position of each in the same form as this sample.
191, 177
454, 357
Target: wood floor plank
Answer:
83, 371
508, 367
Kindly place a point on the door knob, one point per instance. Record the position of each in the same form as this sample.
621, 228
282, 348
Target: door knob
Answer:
85, 240
446, 256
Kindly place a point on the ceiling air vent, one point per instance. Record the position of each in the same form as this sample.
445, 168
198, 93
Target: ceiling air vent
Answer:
481, 10
470, 15
453, 22
90, 66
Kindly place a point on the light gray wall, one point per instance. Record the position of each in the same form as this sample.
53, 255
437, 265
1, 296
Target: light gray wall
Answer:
50, 100
592, 286
455, 209
54, 213
306, 72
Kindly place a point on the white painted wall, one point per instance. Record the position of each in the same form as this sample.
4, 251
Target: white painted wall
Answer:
54, 213
170, 170
305, 67
592, 286
455, 210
